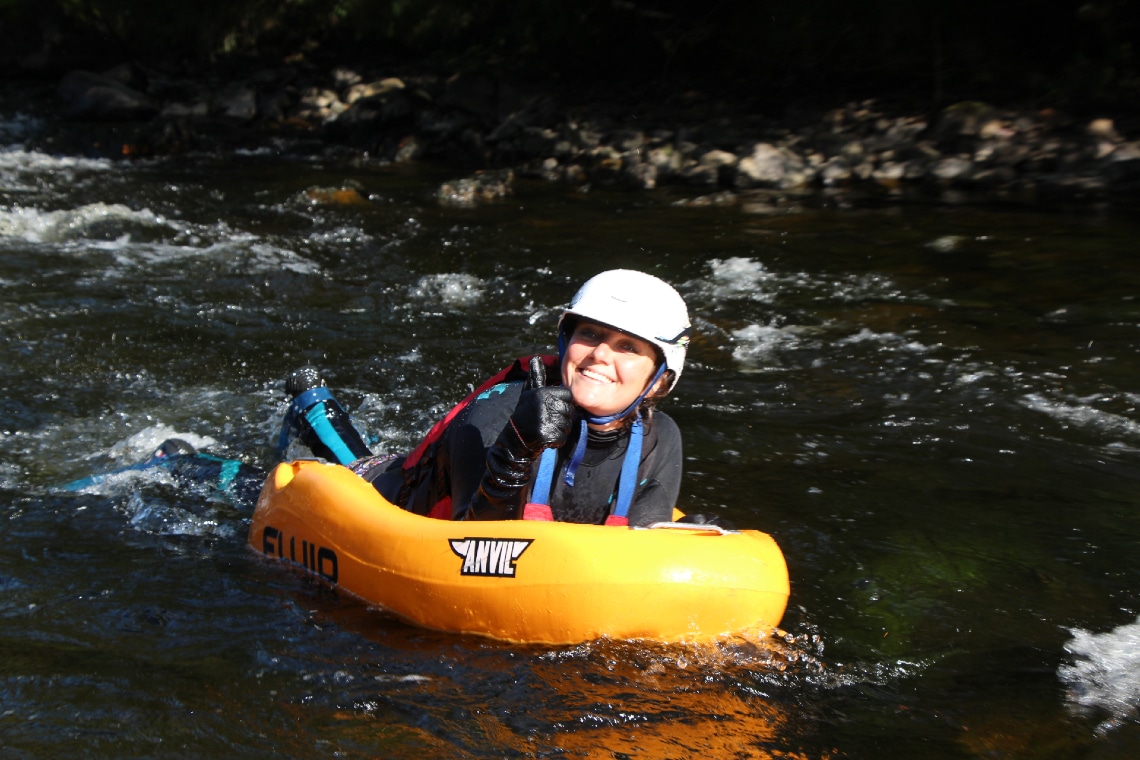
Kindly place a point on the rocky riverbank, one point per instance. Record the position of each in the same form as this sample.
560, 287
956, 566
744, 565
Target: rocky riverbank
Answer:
494, 132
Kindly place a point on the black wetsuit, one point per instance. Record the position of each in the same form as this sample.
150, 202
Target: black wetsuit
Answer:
454, 465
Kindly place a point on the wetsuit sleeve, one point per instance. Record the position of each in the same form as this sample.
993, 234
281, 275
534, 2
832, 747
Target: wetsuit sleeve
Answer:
469, 438
661, 475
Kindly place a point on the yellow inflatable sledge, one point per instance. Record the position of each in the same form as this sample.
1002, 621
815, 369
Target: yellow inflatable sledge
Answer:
517, 580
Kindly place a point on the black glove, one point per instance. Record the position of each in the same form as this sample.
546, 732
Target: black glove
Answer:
541, 420
542, 416
699, 519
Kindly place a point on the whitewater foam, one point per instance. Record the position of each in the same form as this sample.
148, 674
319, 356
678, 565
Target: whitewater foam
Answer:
449, 290
1104, 675
33, 225
29, 170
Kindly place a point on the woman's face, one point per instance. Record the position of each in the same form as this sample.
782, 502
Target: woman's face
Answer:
606, 369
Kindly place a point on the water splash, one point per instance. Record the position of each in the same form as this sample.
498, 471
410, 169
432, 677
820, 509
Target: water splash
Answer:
448, 290
1079, 413
28, 171
739, 277
1104, 675
35, 226
759, 345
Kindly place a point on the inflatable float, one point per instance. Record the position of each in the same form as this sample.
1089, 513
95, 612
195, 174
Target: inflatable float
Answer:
519, 580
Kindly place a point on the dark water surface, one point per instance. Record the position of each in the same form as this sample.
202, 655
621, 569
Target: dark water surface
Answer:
933, 409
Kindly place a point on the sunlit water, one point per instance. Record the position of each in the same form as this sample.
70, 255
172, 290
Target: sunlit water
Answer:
932, 409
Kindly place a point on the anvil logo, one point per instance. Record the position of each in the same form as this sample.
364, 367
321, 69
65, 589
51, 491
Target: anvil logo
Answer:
489, 556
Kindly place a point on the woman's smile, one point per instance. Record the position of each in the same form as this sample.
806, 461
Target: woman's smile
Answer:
606, 369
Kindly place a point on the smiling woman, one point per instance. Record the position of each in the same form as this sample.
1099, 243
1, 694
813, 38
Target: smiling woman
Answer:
588, 449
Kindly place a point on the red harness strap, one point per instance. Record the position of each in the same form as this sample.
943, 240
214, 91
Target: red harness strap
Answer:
441, 510
543, 513
540, 512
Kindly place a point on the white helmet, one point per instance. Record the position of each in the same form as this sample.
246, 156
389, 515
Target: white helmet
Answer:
639, 304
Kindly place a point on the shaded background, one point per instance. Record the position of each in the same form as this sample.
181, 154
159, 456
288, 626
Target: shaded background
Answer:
1075, 55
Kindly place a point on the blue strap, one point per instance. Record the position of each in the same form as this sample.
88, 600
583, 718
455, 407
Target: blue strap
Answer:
579, 452
540, 491
628, 481
636, 402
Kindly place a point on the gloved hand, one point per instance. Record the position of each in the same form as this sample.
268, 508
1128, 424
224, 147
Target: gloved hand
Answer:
542, 419
700, 519
542, 416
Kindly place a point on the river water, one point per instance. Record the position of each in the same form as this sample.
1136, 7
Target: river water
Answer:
931, 407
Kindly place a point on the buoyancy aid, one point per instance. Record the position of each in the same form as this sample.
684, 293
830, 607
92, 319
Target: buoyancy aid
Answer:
538, 508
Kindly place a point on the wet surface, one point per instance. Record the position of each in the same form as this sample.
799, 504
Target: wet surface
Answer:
933, 410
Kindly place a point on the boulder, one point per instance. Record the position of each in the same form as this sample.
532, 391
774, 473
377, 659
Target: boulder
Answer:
237, 102
768, 166
87, 95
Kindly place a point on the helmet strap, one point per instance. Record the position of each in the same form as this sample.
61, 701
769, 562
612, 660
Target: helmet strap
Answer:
636, 402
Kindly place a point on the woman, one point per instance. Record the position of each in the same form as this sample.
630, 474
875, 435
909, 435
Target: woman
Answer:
589, 448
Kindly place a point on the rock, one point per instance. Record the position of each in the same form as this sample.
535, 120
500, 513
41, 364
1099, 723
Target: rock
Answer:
915, 170
409, 149
995, 129
87, 95
997, 177
272, 105
628, 140
343, 77
1123, 166
835, 171
641, 175
961, 122
863, 170
575, 173
769, 166
889, 173
315, 98
952, 169
667, 160
128, 75
536, 141
722, 198
237, 102
897, 134
373, 89
1104, 129
853, 151
196, 110
336, 196
719, 159
700, 174
484, 186
606, 159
